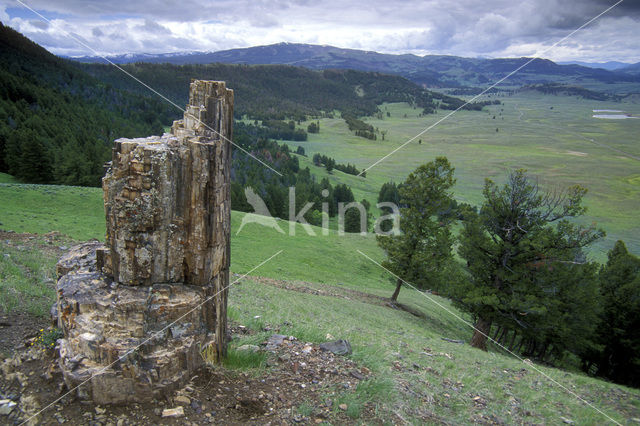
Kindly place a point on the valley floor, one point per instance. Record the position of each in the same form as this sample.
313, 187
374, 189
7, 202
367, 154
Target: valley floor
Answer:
556, 138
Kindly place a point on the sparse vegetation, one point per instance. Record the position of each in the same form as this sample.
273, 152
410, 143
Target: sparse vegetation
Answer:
244, 360
27, 280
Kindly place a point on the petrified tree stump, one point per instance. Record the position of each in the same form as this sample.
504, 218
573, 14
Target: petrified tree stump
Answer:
160, 281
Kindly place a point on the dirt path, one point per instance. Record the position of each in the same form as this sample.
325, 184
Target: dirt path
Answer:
321, 290
334, 291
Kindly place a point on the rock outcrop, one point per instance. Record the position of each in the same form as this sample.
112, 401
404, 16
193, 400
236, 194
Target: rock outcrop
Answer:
139, 311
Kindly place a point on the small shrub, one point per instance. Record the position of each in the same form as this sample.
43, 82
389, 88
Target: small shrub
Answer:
46, 339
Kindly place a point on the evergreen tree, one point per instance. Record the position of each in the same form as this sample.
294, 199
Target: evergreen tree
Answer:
388, 193
313, 128
512, 247
353, 218
619, 330
330, 164
422, 253
35, 165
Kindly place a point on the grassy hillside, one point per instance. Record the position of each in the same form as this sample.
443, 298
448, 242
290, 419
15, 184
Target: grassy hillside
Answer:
554, 137
72, 210
78, 213
416, 375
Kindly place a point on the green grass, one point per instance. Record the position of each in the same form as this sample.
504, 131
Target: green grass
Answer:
245, 360
553, 144
26, 280
305, 409
78, 213
305, 257
5, 178
72, 210
378, 391
382, 338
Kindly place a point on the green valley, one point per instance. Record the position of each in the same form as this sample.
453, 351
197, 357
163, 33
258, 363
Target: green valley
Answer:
315, 129
554, 137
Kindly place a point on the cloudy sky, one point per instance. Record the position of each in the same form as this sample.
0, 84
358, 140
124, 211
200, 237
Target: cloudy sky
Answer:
474, 28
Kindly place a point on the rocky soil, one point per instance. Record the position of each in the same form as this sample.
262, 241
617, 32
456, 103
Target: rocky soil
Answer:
299, 384
15, 327
297, 373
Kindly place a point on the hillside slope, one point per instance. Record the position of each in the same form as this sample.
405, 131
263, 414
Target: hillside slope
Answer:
633, 69
273, 91
57, 122
320, 288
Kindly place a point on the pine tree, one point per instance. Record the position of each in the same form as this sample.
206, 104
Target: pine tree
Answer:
422, 253
619, 330
520, 235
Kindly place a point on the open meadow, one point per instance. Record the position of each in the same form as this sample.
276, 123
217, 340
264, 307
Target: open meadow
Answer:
553, 137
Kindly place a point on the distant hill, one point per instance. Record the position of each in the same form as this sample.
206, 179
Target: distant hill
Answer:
430, 70
275, 91
610, 65
564, 89
57, 122
632, 69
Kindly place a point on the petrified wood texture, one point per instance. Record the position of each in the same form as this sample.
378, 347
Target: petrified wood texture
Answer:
167, 199
137, 312
157, 330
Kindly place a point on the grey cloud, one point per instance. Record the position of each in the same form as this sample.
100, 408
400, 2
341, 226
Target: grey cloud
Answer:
163, 45
153, 27
43, 25
626, 8
265, 21
463, 27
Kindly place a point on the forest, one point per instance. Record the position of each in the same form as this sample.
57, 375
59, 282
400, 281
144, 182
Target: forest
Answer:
58, 118
57, 123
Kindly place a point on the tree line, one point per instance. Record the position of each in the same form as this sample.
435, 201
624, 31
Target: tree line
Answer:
274, 189
330, 164
57, 124
524, 279
451, 103
280, 129
358, 126
569, 90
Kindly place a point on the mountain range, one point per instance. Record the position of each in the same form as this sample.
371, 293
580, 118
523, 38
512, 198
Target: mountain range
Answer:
609, 65
429, 70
